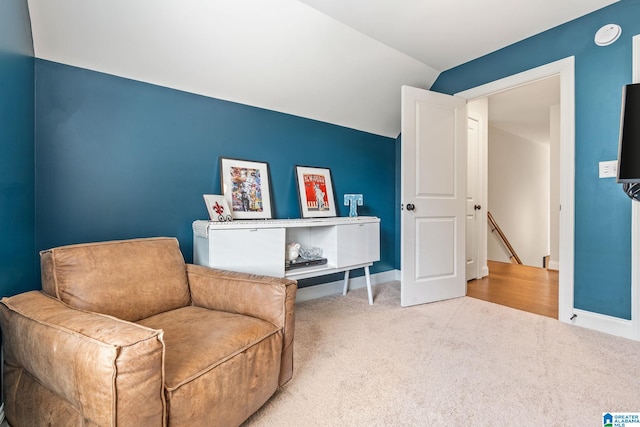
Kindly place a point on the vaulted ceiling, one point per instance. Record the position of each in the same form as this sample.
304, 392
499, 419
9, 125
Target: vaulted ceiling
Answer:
338, 61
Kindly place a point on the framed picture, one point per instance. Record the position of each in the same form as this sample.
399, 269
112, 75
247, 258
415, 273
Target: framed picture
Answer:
217, 207
315, 190
245, 186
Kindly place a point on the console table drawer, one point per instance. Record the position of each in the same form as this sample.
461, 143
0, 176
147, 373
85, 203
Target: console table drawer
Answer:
358, 243
252, 250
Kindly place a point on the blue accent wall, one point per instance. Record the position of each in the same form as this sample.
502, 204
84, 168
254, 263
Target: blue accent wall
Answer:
17, 198
398, 201
118, 158
602, 276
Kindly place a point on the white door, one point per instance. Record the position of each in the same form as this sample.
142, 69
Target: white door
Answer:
473, 206
433, 195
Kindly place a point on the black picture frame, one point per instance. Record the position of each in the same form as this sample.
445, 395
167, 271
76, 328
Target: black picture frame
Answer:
246, 186
315, 192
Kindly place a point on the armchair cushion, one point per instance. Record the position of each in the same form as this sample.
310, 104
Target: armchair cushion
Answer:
127, 279
269, 298
222, 363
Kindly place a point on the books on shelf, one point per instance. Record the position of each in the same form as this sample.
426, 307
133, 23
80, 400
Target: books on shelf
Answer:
301, 262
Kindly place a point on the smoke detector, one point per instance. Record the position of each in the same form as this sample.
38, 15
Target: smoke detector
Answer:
607, 34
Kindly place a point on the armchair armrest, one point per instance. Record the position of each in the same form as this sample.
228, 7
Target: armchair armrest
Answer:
268, 298
107, 370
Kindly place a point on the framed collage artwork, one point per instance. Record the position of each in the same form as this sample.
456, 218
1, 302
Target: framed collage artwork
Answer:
246, 188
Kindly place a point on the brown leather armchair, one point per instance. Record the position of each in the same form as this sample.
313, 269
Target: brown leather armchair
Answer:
124, 333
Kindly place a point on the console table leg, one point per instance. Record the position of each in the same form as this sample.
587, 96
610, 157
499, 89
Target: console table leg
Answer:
368, 276
346, 282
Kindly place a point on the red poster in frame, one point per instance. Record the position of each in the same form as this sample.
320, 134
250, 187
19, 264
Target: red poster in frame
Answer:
315, 189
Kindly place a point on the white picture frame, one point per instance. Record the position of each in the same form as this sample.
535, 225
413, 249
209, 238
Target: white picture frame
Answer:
217, 207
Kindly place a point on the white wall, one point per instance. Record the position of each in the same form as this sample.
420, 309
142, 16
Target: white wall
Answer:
519, 192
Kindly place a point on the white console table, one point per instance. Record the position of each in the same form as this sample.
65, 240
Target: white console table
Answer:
259, 246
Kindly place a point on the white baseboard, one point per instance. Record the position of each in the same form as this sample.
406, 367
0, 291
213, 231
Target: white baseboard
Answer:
603, 323
553, 265
484, 271
332, 288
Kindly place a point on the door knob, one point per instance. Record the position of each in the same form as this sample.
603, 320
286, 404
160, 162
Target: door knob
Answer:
411, 207
477, 207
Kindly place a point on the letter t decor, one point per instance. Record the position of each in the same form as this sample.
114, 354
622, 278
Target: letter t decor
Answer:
354, 200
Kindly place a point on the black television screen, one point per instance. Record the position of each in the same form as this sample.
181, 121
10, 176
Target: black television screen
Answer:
629, 147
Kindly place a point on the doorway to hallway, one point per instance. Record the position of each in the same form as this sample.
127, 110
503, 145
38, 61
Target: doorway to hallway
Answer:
565, 70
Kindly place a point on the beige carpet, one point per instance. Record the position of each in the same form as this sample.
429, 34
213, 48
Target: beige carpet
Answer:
462, 362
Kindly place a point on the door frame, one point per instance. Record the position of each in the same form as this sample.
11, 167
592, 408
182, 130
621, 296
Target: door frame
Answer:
565, 69
635, 220
479, 109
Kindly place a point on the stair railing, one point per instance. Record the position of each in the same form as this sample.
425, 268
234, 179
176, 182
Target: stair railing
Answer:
513, 256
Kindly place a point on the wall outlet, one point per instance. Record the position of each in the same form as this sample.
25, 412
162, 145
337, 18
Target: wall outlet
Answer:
608, 169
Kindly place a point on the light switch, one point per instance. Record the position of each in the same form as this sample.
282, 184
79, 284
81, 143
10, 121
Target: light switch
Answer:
608, 169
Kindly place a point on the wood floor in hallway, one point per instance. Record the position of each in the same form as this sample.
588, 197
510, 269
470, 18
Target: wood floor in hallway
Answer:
531, 289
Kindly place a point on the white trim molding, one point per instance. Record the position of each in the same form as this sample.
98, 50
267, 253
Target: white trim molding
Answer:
635, 221
553, 265
332, 288
603, 323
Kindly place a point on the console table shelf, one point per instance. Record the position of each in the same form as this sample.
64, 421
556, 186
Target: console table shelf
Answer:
259, 246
